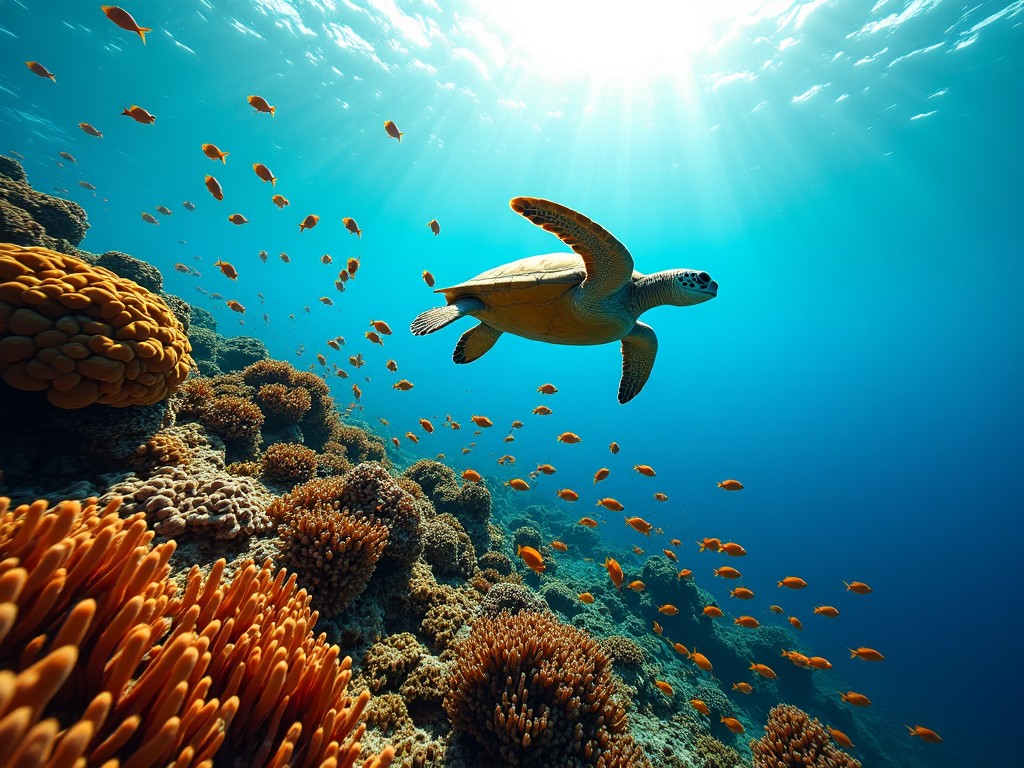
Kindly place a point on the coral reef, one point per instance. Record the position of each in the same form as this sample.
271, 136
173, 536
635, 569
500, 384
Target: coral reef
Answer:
512, 598
623, 651
29, 217
388, 662
532, 691
332, 553
238, 352
792, 738
211, 502
142, 675
136, 270
162, 450
359, 444
712, 753
84, 335
234, 419
447, 547
288, 464
283, 403
470, 503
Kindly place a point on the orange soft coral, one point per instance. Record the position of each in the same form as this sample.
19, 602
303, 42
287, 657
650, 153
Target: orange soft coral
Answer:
84, 335
792, 738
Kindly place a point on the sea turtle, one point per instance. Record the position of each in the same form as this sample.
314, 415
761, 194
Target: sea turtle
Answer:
592, 296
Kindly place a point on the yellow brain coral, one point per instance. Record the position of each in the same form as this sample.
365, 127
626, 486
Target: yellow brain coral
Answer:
84, 335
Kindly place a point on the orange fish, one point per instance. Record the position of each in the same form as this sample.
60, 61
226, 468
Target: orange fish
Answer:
747, 621
726, 572
428, 279
40, 70
775, 608
743, 687
351, 267
685, 573
373, 337
215, 189
613, 447
827, 610
793, 582
681, 649
565, 494
395, 441
797, 658
733, 724
412, 437
664, 687
308, 223
542, 410
214, 153
139, 115
90, 130
731, 485
260, 105
264, 173
712, 545
263, 256
560, 546
236, 306
668, 609
742, 593
670, 555
637, 586
321, 359
352, 227
227, 269
482, 421
547, 469
857, 587
675, 542
471, 475
644, 470
434, 227
532, 558
868, 654
356, 391
518, 484
517, 424
611, 504
614, 569
569, 437
701, 707
326, 258
391, 365
713, 611
601, 474
124, 20
763, 670
392, 130
325, 300
732, 549
661, 497
701, 661
819, 662
404, 385
840, 738
636, 523
586, 597
637, 550
237, 218
427, 426
857, 699
547, 389
797, 624
924, 734
381, 327
149, 218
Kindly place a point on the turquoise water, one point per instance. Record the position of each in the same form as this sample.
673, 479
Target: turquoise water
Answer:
849, 174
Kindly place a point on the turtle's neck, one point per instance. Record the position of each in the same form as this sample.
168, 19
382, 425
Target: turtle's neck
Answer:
651, 291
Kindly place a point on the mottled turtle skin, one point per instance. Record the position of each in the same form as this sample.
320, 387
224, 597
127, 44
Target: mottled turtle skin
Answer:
589, 296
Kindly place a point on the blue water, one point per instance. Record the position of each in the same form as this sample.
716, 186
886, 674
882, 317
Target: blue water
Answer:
850, 175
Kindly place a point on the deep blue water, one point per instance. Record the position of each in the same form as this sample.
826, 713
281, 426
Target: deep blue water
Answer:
850, 175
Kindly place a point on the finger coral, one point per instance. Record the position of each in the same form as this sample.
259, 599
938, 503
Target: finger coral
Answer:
84, 335
793, 738
288, 463
333, 554
532, 691
101, 661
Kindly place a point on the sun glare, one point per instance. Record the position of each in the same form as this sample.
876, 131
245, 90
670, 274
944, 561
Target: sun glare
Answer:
609, 39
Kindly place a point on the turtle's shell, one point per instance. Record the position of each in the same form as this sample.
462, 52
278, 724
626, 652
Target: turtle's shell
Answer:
535, 298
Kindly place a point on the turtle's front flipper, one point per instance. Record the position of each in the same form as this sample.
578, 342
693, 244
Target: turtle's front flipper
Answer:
639, 348
437, 318
474, 343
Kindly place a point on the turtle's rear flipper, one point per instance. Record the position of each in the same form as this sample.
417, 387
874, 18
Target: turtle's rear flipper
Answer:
474, 343
639, 348
437, 318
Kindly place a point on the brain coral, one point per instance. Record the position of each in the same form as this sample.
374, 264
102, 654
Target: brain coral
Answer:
792, 738
512, 598
531, 691
84, 335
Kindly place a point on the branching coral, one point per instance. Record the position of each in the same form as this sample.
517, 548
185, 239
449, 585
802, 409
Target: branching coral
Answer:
285, 404
288, 463
162, 450
333, 554
531, 691
84, 335
792, 738
233, 419
91, 624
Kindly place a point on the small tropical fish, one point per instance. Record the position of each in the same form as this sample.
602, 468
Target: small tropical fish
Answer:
517, 424
90, 130
857, 587
518, 484
644, 470
793, 582
561, 546
412, 437
636, 523
396, 441
569, 495
264, 173
381, 327
763, 670
326, 258
701, 707
601, 474
701, 661
308, 223
685, 573
546, 469
775, 608
797, 624
392, 131
260, 105
743, 687
746, 621
680, 649
434, 227
542, 410
237, 218
281, 201
532, 558
506, 459
857, 699
840, 738
356, 391
675, 542
614, 570
139, 115
351, 267
68, 156
713, 611
797, 658
610, 503
742, 593
827, 610
124, 20
471, 475
163, 209
263, 256
235, 306
40, 70
87, 185
403, 385
586, 597
726, 572
188, 206
482, 421
868, 654
637, 586
732, 549
227, 269
668, 609
351, 226
149, 218
712, 545
285, 257
321, 359
661, 497
547, 389
819, 662
924, 734
213, 152
569, 438
664, 687
637, 550
214, 186
613, 447
428, 279
733, 724
731, 485
373, 337
670, 555
391, 365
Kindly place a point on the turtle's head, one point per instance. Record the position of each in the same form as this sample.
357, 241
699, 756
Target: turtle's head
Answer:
689, 286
